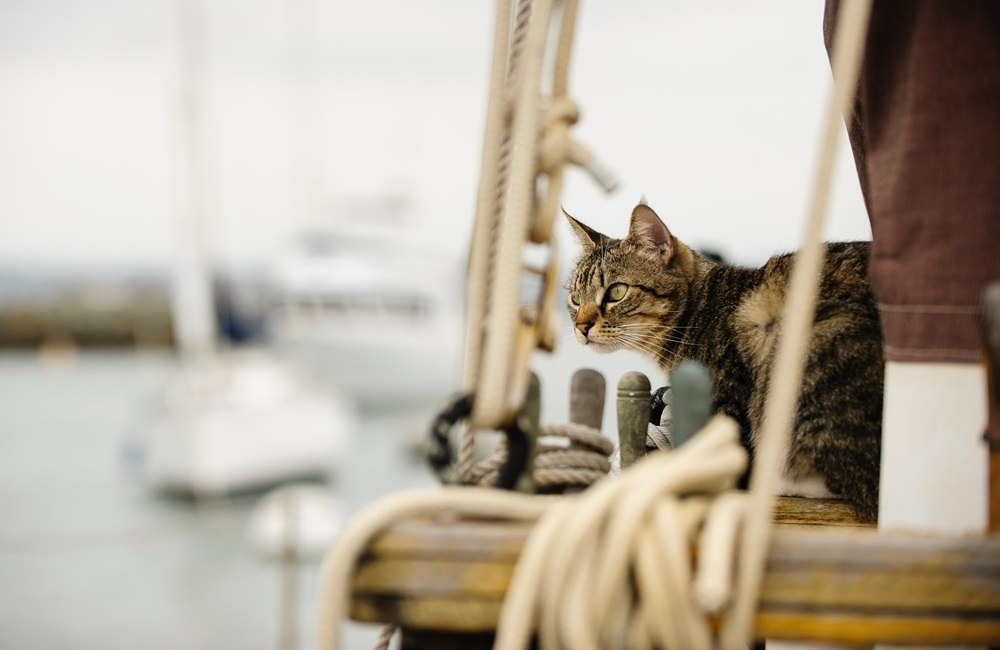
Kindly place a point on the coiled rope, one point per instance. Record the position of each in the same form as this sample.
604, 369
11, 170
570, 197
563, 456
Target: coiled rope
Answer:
612, 567
637, 530
568, 456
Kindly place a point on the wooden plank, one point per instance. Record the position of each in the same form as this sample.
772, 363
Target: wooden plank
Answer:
437, 613
815, 512
866, 628
459, 539
838, 585
419, 577
486, 540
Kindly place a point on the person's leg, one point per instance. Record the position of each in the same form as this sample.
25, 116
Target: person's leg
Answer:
925, 135
926, 139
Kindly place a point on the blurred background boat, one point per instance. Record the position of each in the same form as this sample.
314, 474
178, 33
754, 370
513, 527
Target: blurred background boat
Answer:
371, 308
239, 421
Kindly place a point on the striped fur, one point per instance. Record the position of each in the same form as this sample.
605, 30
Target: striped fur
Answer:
677, 304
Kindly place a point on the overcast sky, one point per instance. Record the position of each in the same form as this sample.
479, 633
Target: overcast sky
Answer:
709, 109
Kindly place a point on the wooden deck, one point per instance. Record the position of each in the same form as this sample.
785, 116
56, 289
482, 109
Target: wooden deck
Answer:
841, 583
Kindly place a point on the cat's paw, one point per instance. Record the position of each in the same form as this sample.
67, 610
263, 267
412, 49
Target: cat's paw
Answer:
810, 487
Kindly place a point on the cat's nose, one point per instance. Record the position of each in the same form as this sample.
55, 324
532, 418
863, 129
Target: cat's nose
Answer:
584, 328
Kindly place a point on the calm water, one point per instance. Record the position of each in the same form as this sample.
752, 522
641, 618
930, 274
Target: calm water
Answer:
90, 558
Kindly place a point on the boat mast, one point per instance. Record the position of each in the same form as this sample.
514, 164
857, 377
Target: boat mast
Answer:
191, 296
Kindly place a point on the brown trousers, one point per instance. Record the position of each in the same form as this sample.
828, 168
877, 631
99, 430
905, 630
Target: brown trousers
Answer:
926, 139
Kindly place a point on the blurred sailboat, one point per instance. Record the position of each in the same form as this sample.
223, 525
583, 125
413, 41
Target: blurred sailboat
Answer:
243, 420
231, 420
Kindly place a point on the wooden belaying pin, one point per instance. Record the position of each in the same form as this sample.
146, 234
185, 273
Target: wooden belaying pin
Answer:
691, 385
586, 398
633, 416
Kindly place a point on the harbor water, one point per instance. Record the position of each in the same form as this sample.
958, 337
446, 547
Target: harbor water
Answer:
91, 558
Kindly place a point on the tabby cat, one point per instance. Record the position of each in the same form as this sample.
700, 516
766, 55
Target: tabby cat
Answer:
651, 293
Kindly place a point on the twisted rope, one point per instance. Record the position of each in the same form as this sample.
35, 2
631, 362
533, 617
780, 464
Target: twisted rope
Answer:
338, 566
796, 320
612, 568
567, 456
608, 568
671, 508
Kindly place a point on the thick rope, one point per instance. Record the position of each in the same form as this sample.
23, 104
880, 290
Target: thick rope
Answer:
800, 308
339, 564
567, 456
527, 136
587, 546
574, 580
497, 373
492, 186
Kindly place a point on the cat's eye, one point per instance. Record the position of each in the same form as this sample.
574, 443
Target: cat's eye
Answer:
575, 298
616, 292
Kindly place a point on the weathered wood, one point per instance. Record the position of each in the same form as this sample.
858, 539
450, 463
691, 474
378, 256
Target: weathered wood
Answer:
465, 539
528, 422
586, 398
816, 512
633, 416
458, 614
837, 585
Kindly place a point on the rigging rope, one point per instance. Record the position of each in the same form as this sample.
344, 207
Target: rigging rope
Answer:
800, 307
527, 137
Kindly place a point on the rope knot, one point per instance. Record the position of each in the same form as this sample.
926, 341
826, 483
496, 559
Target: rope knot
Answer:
556, 144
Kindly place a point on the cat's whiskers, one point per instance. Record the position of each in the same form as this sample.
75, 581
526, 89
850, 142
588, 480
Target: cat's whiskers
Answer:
650, 346
641, 347
655, 333
646, 343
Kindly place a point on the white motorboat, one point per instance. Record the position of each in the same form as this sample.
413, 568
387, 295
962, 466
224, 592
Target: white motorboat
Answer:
373, 312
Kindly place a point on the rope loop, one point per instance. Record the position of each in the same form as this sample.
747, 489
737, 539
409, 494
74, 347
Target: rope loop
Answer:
502, 469
561, 114
613, 568
568, 456
580, 436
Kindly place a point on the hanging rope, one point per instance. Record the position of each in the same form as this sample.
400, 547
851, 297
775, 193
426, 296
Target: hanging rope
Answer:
527, 137
800, 308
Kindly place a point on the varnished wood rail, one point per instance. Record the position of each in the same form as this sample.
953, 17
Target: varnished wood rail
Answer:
841, 584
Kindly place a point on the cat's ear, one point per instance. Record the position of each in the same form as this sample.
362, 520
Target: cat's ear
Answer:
589, 238
647, 230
